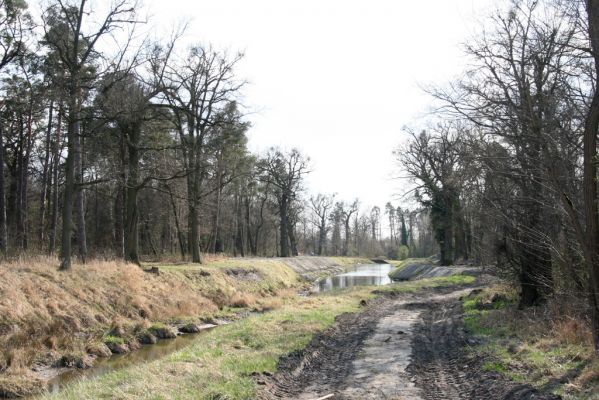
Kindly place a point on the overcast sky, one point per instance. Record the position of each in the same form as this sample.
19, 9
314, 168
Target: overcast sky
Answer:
335, 78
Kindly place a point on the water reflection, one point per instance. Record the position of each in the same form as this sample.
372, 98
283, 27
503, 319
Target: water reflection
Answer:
361, 275
120, 361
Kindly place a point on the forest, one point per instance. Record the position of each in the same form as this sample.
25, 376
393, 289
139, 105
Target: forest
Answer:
115, 145
142, 152
508, 166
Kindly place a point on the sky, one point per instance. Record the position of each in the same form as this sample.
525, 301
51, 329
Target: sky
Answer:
337, 79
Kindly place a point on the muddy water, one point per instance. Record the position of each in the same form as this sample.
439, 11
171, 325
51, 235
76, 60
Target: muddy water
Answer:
104, 365
360, 275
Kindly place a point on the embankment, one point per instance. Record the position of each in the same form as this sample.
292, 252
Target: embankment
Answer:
67, 319
424, 269
311, 268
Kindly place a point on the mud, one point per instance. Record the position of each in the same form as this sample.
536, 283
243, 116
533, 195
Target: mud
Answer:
443, 369
411, 346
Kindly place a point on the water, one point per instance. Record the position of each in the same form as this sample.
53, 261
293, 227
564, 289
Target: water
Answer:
361, 275
119, 361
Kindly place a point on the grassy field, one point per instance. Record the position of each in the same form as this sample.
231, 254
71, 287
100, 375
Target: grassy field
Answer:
531, 346
219, 365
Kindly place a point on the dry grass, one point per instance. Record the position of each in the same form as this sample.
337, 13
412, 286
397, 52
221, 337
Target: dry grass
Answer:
572, 331
539, 345
589, 377
221, 364
45, 313
42, 308
242, 300
345, 261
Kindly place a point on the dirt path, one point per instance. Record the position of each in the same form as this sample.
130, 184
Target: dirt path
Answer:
404, 347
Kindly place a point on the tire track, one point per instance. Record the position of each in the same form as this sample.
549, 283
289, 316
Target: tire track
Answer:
410, 346
322, 367
443, 369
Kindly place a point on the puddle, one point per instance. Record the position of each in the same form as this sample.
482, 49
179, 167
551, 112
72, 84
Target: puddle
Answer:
102, 366
360, 275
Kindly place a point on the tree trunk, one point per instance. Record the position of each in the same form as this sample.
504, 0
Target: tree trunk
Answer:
148, 235
55, 164
239, 231
44, 181
69, 189
447, 245
3, 229
460, 235
283, 229
131, 191
131, 226
193, 239
79, 201
292, 239
194, 234
446, 229
252, 242
180, 236
347, 236
533, 251
119, 218
23, 198
17, 196
322, 236
214, 245
591, 203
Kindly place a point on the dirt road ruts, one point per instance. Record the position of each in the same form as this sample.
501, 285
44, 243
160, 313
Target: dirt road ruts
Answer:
443, 369
411, 346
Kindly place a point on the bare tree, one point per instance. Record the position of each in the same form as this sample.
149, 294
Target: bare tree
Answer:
433, 159
347, 213
321, 206
589, 234
285, 172
197, 87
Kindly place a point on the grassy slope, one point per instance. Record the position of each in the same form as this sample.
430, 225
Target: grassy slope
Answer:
220, 363
528, 346
44, 312
350, 260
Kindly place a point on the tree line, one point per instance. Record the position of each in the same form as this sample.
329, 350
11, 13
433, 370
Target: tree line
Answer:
113, 144
507, 167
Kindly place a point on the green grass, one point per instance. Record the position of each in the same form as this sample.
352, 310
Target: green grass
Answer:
494, 367
220, 363
525, 346
474, 314
347, 261
109, 339
414, 286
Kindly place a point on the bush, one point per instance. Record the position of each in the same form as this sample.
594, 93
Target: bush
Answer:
398, 253
404, 252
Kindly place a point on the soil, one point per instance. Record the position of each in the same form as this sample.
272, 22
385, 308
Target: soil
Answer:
409, 346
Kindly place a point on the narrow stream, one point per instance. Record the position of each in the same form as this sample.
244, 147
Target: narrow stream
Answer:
102, 366
360, 275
